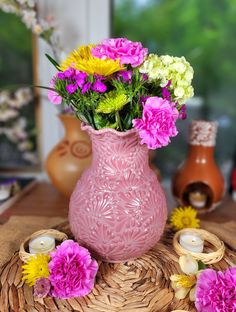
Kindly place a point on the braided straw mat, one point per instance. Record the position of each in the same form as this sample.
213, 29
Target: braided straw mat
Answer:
141, 285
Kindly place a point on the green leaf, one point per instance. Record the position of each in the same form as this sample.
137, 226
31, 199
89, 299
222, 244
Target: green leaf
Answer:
47, 88
201, 265
51, 60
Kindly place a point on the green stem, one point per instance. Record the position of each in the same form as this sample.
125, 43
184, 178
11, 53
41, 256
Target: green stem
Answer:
118, 120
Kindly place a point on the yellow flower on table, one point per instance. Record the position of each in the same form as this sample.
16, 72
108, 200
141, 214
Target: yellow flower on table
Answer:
35, 268
184, 217
83, 60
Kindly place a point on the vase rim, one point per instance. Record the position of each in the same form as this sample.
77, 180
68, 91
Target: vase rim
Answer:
90, 129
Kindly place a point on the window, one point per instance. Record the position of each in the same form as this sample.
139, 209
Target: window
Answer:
203, 32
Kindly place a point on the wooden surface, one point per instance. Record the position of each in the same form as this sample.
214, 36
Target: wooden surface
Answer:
44, 200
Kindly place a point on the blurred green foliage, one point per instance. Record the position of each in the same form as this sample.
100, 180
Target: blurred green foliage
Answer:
204, 32
15, 51
16, 70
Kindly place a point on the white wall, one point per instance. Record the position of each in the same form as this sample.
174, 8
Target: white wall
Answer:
79, 22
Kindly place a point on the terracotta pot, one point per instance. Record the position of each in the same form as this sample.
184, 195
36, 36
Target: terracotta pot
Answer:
70, 157
118, 208
198, 181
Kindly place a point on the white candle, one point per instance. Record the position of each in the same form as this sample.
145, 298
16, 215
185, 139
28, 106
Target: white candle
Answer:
42, 245
191, 242
4, 193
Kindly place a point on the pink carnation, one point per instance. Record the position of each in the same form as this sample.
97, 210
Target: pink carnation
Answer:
53, 96
158, 122
72, 271
128, 52
216, 291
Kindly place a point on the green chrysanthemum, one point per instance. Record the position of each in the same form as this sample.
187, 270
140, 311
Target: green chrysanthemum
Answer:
112, 102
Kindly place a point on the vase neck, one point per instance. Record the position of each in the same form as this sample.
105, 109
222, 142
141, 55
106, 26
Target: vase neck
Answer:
123, 150
71, 125
200, 153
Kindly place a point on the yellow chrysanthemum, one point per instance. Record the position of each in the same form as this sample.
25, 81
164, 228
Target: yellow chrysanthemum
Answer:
182, 280
82, 59
184, 217
112, 102
35, 268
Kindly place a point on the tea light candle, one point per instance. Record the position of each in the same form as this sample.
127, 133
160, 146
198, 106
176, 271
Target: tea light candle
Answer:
191, 242
4, 193
42, 245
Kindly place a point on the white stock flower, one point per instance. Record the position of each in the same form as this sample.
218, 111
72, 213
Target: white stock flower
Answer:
8, 114
24, 95
4, 97
30, 157
29, 3
25, 146
29, 18
9, 7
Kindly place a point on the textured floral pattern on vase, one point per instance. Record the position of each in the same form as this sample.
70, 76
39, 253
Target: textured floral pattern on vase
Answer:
118, 208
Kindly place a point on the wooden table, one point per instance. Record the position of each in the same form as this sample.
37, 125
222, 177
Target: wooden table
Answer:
45, 200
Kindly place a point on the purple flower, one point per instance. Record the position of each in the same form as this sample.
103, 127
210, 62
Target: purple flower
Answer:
69, 73
71, 88
157, 125
99, 77
144, 77
42, 287
216, 291
99, 86
125, 75
86, 87
128, 52
61, 76
80, 78
143, 99
166, 94
72, 271
182, 112
53, 96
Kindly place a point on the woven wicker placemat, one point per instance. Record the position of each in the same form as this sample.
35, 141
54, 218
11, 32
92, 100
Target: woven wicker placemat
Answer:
141, 285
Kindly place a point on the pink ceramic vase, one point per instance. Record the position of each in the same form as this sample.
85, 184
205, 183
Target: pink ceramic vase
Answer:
118, 208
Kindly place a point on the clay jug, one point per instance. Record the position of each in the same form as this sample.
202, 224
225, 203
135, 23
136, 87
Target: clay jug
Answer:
198, 181
70, 157
118, 208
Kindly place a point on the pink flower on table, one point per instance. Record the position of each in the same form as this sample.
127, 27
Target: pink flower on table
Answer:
128, 52
72, 271
157, 125
216, 291
53, 96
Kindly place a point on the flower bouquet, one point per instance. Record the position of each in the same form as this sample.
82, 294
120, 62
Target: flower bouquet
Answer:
129, 102
118, 85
